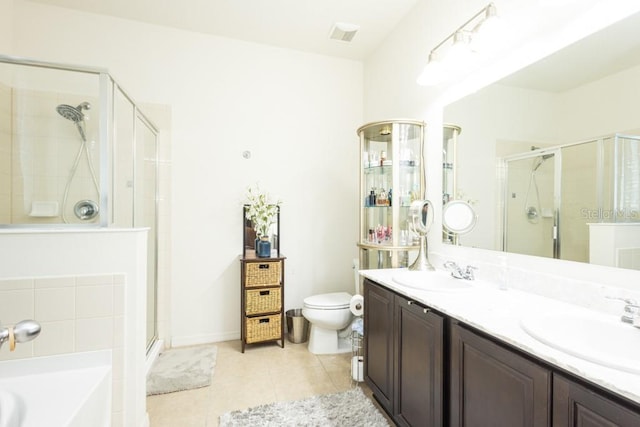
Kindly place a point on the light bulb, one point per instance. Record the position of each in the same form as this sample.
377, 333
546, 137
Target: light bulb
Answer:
433, 74
459, 55
487, 35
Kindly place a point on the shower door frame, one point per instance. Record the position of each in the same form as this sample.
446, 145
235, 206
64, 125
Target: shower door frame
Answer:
556, 152
107, 87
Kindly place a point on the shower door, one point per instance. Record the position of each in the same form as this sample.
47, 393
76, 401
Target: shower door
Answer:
532, 203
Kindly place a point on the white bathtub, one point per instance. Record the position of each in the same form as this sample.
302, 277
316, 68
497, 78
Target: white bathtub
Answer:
71, 390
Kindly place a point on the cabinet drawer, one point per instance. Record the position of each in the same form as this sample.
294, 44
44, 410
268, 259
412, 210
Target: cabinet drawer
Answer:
263, 301
266, 273
263, 328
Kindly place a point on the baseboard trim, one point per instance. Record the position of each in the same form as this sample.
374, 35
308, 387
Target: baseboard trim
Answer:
203, 339
152, 355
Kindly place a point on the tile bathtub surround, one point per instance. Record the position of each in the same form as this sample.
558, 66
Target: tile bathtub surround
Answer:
77, 313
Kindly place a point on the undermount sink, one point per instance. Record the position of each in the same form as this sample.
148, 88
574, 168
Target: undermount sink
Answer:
436, 281
603, 340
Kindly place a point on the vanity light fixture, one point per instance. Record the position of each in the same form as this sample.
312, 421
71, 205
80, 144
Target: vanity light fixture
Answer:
475, 35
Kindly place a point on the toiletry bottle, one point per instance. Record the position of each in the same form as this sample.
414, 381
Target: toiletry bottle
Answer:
372, 198
382, 198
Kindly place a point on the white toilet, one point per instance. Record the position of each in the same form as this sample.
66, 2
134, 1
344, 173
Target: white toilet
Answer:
328, 315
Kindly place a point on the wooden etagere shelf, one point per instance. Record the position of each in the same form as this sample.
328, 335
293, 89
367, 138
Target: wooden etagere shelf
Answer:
261, 288
262, 296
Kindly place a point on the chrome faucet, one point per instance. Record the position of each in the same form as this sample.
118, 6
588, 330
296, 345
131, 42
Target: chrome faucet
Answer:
458, 272
631, 311
23, 331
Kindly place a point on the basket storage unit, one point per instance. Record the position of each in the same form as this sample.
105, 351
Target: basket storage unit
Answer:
262, 296
263, 273
263, 301
264, 328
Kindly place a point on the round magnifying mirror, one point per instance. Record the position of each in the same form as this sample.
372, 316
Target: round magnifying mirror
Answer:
421, 214
458, 217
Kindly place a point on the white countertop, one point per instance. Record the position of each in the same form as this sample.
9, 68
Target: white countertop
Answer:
498, 313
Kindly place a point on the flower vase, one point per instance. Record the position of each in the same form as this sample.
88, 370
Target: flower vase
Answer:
263, 248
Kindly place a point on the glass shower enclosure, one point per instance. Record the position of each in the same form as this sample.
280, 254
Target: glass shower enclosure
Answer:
76, 151
551, 195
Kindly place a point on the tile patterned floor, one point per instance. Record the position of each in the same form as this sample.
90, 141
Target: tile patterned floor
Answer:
265, 373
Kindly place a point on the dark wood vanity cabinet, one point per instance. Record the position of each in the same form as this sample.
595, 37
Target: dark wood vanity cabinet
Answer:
379, 342
404, 357
577, 406
493, 386
418, 375
427, 369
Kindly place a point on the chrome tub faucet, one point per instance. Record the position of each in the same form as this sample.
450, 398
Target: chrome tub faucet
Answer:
23, 331
458, 272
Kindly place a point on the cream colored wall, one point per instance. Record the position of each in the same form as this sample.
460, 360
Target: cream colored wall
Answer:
6, 26
615, 110
296, 112
5, 153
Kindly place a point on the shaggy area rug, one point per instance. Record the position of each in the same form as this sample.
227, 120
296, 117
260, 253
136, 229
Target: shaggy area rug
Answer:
181, 369
347, 409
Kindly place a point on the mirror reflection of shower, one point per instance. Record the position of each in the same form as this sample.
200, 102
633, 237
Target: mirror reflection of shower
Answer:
532, 208
78, 116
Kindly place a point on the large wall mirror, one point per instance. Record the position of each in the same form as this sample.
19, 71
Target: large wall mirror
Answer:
549, 157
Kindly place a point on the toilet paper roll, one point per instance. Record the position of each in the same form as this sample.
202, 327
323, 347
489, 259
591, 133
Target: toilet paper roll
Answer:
356, 305
357, 368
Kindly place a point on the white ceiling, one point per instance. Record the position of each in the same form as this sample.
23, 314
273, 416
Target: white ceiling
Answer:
295, 24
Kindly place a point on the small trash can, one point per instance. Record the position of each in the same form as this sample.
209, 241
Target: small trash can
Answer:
297, 326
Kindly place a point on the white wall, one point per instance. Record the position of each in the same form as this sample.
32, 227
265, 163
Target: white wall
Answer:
615, 111
296, 112
390, 88
6, 26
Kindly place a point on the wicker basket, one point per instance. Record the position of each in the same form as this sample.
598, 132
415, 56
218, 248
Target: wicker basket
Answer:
264, 328
262, 273
262, 301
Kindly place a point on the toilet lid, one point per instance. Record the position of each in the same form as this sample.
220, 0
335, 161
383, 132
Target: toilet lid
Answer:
334, 300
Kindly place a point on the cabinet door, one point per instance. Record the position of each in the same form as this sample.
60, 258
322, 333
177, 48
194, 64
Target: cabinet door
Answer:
577, 406
418, 385
493, 386
378, 356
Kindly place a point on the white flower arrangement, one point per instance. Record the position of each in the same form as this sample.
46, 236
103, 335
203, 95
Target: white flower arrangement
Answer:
261, 211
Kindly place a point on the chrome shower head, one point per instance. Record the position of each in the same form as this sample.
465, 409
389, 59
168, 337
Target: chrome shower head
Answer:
83, 106
70, 113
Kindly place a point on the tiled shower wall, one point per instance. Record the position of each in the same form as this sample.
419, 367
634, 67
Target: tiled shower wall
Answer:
5, 154
77, 313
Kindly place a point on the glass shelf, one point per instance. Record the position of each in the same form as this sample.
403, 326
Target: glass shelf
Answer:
391, 170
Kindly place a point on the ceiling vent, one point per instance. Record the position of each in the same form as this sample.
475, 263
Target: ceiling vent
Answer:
343, 31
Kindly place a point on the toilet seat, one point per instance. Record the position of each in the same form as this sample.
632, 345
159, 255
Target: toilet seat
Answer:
330, 301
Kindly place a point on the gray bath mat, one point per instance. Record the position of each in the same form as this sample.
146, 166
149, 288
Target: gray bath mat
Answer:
347, 409
181, 369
